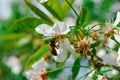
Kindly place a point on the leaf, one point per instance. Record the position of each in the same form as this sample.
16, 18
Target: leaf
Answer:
60, 64
38, 12
97, 43
25, 24
104, 8
72, 28
89, 5
13, 36
66, 7
94, 77
83, 17
53, 6
104, 69
75, 70
36, 56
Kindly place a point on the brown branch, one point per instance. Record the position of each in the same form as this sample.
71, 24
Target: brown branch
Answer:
100, 61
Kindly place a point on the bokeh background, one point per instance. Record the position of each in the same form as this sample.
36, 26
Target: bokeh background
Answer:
17, 44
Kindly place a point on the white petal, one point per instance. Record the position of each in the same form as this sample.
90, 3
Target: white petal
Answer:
61, 52
69, 46
14, 63
119, 51
61, 55
61, 28
32, 75
64, 47
40, 65
43, 1
117, 37
70, 21
117, 19
44, 29
118, 59
100, 77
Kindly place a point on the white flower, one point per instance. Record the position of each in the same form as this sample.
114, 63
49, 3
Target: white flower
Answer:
118, 59
32, 75
45, 29
59, 28
117, 37
14, 63
38, 67
64, 47
117, 19
43, 1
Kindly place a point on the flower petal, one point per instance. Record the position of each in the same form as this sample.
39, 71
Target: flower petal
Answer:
32, 75
118, 59
119, 51
40, 65
69, 46
16, 67
117, 37
61, 52
61, 55
64, 47
43, 1
117, 19
61, 28
45, 29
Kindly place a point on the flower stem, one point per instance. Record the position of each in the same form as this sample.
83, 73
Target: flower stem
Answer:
85, 75
72, 8
68, 67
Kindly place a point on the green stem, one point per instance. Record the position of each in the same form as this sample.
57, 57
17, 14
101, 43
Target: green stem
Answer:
72, 8
67, 67
92, 27
85, 74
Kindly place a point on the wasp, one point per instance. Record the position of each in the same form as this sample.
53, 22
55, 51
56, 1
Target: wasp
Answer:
53, 45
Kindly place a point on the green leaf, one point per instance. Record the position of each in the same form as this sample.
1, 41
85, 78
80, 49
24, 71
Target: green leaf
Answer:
60, 64
36, 56
97, 43
26, 24
89, 5
72, 28
75, 70
13, 36
53, 6
38, 12
83, 18
94, 77
118, 27
104, 69
66, 7
104, 8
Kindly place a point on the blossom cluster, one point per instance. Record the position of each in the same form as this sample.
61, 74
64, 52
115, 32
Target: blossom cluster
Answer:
63, 43
68, 42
